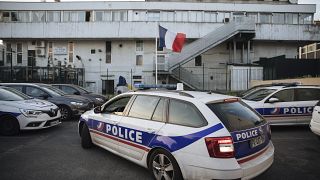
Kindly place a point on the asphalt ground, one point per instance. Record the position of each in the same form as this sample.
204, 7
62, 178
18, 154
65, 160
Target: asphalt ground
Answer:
56, 153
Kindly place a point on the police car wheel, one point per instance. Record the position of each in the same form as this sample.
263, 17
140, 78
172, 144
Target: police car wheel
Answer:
65, 112
9, 126
85, 137
162, 165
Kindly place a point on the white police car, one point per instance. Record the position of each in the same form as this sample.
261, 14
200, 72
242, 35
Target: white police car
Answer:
315, 121
191, 135
284, 105
20, 112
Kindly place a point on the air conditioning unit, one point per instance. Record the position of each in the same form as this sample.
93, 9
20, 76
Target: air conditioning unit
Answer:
41, 52
41, 44
226, 20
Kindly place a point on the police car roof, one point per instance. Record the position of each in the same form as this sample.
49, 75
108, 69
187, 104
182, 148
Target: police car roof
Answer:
204, 97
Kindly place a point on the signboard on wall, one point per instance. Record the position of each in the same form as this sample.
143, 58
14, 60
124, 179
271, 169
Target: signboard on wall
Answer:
60, 51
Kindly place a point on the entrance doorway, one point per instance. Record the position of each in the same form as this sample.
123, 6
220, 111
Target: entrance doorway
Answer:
107, 86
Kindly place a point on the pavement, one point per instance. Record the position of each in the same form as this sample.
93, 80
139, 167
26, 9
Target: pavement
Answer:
56, 153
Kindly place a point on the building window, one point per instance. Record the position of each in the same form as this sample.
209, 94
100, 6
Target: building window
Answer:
223, 17
88, 16
139, 60
153, 15
182, 16
14, 16
253, 16
93, 51
74, 16
139, 15
5, 16
265, 17
70, 53
195, 16
139, 45
9, 53
98, 15
305, 18
38, 16
50, 51
210, 17
198, 61
119, 16
108, 52
278, 18
238, 16
167, 16
24, 16
53, 16
19, 53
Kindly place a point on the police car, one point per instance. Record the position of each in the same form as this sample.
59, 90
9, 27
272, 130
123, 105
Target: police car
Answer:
21, 112
181, 134
315, 121
284, 104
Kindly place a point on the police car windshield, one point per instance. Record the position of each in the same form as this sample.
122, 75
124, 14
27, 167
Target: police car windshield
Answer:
236, 116
258, 95
9, 94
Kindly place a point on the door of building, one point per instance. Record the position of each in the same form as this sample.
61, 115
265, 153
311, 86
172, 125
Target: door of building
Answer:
107, 86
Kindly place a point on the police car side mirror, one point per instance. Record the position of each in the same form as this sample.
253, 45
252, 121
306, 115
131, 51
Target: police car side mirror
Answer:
273, 100
97, 110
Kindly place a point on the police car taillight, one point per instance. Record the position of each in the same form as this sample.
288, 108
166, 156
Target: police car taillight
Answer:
220, 147
231, 100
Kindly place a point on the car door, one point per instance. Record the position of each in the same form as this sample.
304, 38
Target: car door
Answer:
104, 125
145, 118
305, 100
280, 111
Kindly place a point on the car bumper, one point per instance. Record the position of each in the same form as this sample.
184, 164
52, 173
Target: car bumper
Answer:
227, 168
27, 123
315, 127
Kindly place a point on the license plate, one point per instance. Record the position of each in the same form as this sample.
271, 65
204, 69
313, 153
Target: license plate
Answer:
257, 141
54, 122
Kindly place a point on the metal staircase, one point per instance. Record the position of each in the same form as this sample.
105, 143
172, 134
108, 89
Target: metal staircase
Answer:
243, 26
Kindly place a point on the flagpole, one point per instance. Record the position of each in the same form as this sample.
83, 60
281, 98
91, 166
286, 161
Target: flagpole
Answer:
156, 47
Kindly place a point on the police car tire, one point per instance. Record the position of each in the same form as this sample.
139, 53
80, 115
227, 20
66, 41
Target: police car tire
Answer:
85, 137
9, 126
67, 110
177, 175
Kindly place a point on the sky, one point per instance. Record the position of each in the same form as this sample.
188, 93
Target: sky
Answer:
317, 15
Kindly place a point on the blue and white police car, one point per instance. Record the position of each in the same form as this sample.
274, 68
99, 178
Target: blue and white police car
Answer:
284, 105
21, 112
315, 121
181, 134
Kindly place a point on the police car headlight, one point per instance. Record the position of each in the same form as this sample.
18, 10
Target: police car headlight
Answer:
99, 99
30, 113
76, 103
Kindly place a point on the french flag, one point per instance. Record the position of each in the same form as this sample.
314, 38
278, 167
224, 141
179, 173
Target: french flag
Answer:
171, 40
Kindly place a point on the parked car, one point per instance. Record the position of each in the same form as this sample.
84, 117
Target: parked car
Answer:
284, 105
315, 121
70, 105
191, 135
98, 99
21, 112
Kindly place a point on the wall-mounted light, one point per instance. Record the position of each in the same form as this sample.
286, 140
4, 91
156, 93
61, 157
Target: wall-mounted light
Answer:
100, 50
120, 45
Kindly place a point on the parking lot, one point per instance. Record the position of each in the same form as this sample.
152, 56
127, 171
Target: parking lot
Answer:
56, 153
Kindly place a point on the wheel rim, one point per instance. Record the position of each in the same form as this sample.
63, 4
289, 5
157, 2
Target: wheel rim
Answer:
162, 167
64, 113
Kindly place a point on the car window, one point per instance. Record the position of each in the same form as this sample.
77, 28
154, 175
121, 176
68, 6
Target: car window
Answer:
286, 95
258, 95
158, 113
307, 94
35, 92
19, 88
143, 107
8, 94
236, 116
184, 113
117, 106
68, 90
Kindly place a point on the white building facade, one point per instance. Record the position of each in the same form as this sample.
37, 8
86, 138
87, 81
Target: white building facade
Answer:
112, 39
